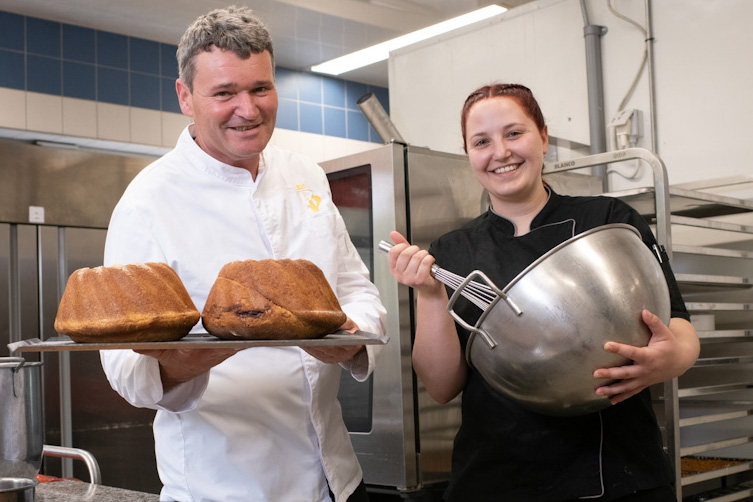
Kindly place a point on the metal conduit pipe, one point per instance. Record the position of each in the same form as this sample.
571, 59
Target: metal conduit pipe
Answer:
64, 367
595, 84
650, 65
379, 120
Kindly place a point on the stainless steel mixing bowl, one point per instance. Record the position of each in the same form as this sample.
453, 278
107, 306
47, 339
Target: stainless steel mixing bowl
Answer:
542, 338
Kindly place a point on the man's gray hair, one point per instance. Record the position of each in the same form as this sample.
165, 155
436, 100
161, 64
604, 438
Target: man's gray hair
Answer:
231, 28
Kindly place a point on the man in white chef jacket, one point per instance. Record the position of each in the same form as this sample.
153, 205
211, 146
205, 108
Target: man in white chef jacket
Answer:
261, 424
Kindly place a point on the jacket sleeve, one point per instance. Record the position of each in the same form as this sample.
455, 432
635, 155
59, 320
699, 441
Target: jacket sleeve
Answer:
136, 377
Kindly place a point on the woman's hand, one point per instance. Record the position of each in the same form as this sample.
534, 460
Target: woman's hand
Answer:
438, 359
670, 352
411, 266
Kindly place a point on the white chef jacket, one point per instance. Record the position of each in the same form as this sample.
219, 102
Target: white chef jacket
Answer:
265, 424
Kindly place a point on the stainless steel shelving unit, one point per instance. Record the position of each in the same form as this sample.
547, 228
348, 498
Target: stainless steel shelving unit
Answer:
714, 267
707, 414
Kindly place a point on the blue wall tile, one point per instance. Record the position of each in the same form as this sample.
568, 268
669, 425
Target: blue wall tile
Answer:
358, 126
334, 122
42, 37
169, 96
62, 59
78, 44
43, 74
287, 114
353, 92
168, 62
310, 87
286, 82
79, 80
311, 118
145, 91
144, 56
112, 50
12, 73
112, 86
11, 31
334, 92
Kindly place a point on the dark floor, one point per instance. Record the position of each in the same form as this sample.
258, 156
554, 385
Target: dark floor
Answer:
424, 495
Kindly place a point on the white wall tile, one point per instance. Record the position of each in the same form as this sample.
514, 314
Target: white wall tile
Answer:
113, 122
105, 123
79, 117
44, 113
146, 126
12, 108
172, 125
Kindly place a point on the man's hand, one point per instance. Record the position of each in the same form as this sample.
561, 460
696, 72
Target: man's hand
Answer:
338, 353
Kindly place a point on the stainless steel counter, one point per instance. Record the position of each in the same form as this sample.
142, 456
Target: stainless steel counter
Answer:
79, 491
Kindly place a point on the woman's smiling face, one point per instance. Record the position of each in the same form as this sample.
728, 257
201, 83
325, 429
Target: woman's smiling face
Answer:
506, 149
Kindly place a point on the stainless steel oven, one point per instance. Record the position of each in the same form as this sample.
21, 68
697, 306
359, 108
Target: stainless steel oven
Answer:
403, 439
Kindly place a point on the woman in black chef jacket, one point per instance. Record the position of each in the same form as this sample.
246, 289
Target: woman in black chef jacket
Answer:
504, 453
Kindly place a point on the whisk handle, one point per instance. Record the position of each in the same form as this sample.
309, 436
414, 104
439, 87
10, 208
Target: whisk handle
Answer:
385, 247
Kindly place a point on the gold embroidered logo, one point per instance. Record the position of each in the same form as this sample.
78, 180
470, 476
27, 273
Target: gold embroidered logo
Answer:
308, 198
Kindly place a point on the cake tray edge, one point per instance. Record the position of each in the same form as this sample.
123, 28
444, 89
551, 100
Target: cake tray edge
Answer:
196, 341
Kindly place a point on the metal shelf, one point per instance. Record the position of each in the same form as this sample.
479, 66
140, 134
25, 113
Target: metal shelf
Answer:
712, 281
715, 445
684, 202
724, 334
714, 411
727, 297
718, 307
710, 251
715, 361
712, 224
713, 389
724, 494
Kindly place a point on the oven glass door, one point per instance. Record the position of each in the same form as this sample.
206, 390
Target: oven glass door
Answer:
351, 193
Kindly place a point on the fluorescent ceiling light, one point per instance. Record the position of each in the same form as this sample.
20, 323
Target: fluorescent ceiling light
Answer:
380, 52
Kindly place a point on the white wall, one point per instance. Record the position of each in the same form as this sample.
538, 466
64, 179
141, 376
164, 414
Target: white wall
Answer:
429, 81
703, 78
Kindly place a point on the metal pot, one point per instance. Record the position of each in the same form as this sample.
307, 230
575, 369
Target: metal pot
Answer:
542, 343
21, 421
17, 489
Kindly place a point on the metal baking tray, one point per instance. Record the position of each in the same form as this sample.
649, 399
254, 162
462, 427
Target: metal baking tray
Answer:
197, 341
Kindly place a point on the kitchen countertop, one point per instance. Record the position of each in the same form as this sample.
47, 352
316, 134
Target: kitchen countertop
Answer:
78, 491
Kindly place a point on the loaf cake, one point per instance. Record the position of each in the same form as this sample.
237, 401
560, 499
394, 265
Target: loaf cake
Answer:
139, 302
272, 300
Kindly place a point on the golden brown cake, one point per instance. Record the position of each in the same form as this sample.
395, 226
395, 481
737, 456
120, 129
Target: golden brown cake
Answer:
271, 300
139, 302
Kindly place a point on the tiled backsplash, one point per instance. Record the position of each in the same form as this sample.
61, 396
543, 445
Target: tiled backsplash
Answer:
60, 59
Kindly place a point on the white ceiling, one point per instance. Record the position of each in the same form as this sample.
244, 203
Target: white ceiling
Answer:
305, 32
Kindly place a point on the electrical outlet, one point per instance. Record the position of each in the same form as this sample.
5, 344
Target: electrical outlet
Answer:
36, 214
627, 127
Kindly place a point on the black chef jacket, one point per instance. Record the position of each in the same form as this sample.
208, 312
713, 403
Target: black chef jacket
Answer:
504, 453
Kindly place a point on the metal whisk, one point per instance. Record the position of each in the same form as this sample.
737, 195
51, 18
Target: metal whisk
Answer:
481, 295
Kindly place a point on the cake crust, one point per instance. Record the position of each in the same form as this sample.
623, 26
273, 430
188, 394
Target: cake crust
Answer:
271, 300
139, 302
